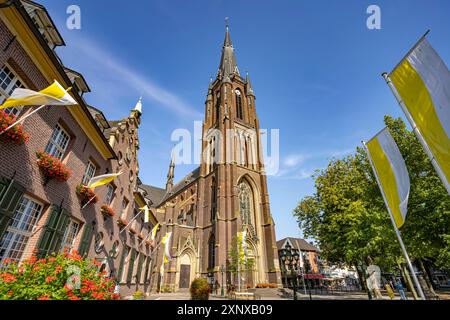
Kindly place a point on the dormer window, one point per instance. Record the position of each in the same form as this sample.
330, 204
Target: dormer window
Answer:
43, 23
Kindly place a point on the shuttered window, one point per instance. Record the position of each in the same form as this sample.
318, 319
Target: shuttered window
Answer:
54, 230
123, 260
10, 194
131, 266
86, 239
139, 268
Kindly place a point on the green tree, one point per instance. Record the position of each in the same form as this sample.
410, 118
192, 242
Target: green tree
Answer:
238, 261
348, 218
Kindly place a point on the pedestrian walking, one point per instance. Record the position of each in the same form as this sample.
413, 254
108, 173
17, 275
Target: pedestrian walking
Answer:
400, 290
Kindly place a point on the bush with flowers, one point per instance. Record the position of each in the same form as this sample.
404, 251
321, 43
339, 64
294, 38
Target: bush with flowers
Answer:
107, 211
55, 278
16, 133
87, 194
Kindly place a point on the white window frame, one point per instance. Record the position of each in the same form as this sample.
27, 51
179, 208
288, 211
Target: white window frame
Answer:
123, 212
15, 82
67, 242
99, 242
123, 276
109, 194
21, 227
89, 172
58, 143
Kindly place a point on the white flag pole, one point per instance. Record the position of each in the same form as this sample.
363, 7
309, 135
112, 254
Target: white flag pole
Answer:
134, 218
22, 119
90, 200
417, 131
397, 232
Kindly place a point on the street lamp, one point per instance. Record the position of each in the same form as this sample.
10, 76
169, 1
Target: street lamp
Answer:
222, 270
290, 258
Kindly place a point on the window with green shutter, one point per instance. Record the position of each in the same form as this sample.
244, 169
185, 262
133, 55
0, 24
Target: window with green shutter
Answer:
147, 267
120, 273
10, 194
131, 265
139, 267
86, 239
53, 232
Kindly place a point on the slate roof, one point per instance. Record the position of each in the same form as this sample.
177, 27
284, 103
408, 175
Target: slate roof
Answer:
154, 194
298, 243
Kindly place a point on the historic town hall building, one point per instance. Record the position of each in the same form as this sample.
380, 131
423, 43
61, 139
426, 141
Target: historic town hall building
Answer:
227, 194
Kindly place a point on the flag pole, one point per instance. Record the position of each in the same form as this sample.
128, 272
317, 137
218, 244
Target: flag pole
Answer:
134, 218
85, 205
22, 119
397, 231
417, 131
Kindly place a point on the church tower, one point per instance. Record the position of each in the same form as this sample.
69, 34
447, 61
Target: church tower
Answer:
226, 196
232, 177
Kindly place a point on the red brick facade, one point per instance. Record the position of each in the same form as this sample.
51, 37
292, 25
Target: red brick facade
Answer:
21, 177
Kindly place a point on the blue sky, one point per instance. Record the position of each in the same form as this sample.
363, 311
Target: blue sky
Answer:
315, 69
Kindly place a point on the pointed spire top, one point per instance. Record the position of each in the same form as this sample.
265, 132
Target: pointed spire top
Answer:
227, 42
248, 85
138, 106
171, 173
228, 64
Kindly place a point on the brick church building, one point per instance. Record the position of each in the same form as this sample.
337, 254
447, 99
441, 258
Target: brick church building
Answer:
225, 195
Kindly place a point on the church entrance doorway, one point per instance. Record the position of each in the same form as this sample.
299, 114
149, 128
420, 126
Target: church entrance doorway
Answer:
185, 275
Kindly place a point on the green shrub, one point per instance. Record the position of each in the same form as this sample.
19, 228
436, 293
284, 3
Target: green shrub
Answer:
200, 289
58, 277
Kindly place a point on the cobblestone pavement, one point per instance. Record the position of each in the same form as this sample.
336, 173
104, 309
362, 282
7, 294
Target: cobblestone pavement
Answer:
286, 294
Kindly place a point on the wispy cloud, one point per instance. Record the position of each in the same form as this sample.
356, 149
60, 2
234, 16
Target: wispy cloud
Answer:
119, 78
302, 166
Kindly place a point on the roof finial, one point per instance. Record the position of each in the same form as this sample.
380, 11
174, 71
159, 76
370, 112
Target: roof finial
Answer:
226, 23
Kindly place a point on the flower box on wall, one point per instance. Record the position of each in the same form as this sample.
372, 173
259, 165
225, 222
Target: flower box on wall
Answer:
52, 167
107, 211
16, 134
121, 222
86, 194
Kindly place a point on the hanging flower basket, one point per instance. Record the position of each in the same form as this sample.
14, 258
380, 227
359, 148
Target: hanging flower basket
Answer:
132, 230
16, 134
140, 236
122, 222
148, 242
52, 167
107, 211
86, 194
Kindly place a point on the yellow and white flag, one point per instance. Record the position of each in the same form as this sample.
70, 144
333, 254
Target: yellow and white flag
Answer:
103, 179
54, 95
393, 177
166, 241
423, 82
146, 213
154, 230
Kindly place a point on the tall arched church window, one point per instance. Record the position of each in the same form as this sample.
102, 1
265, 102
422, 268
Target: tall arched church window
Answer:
218, 106
239, 110
213, 199
211, 251
246, 205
